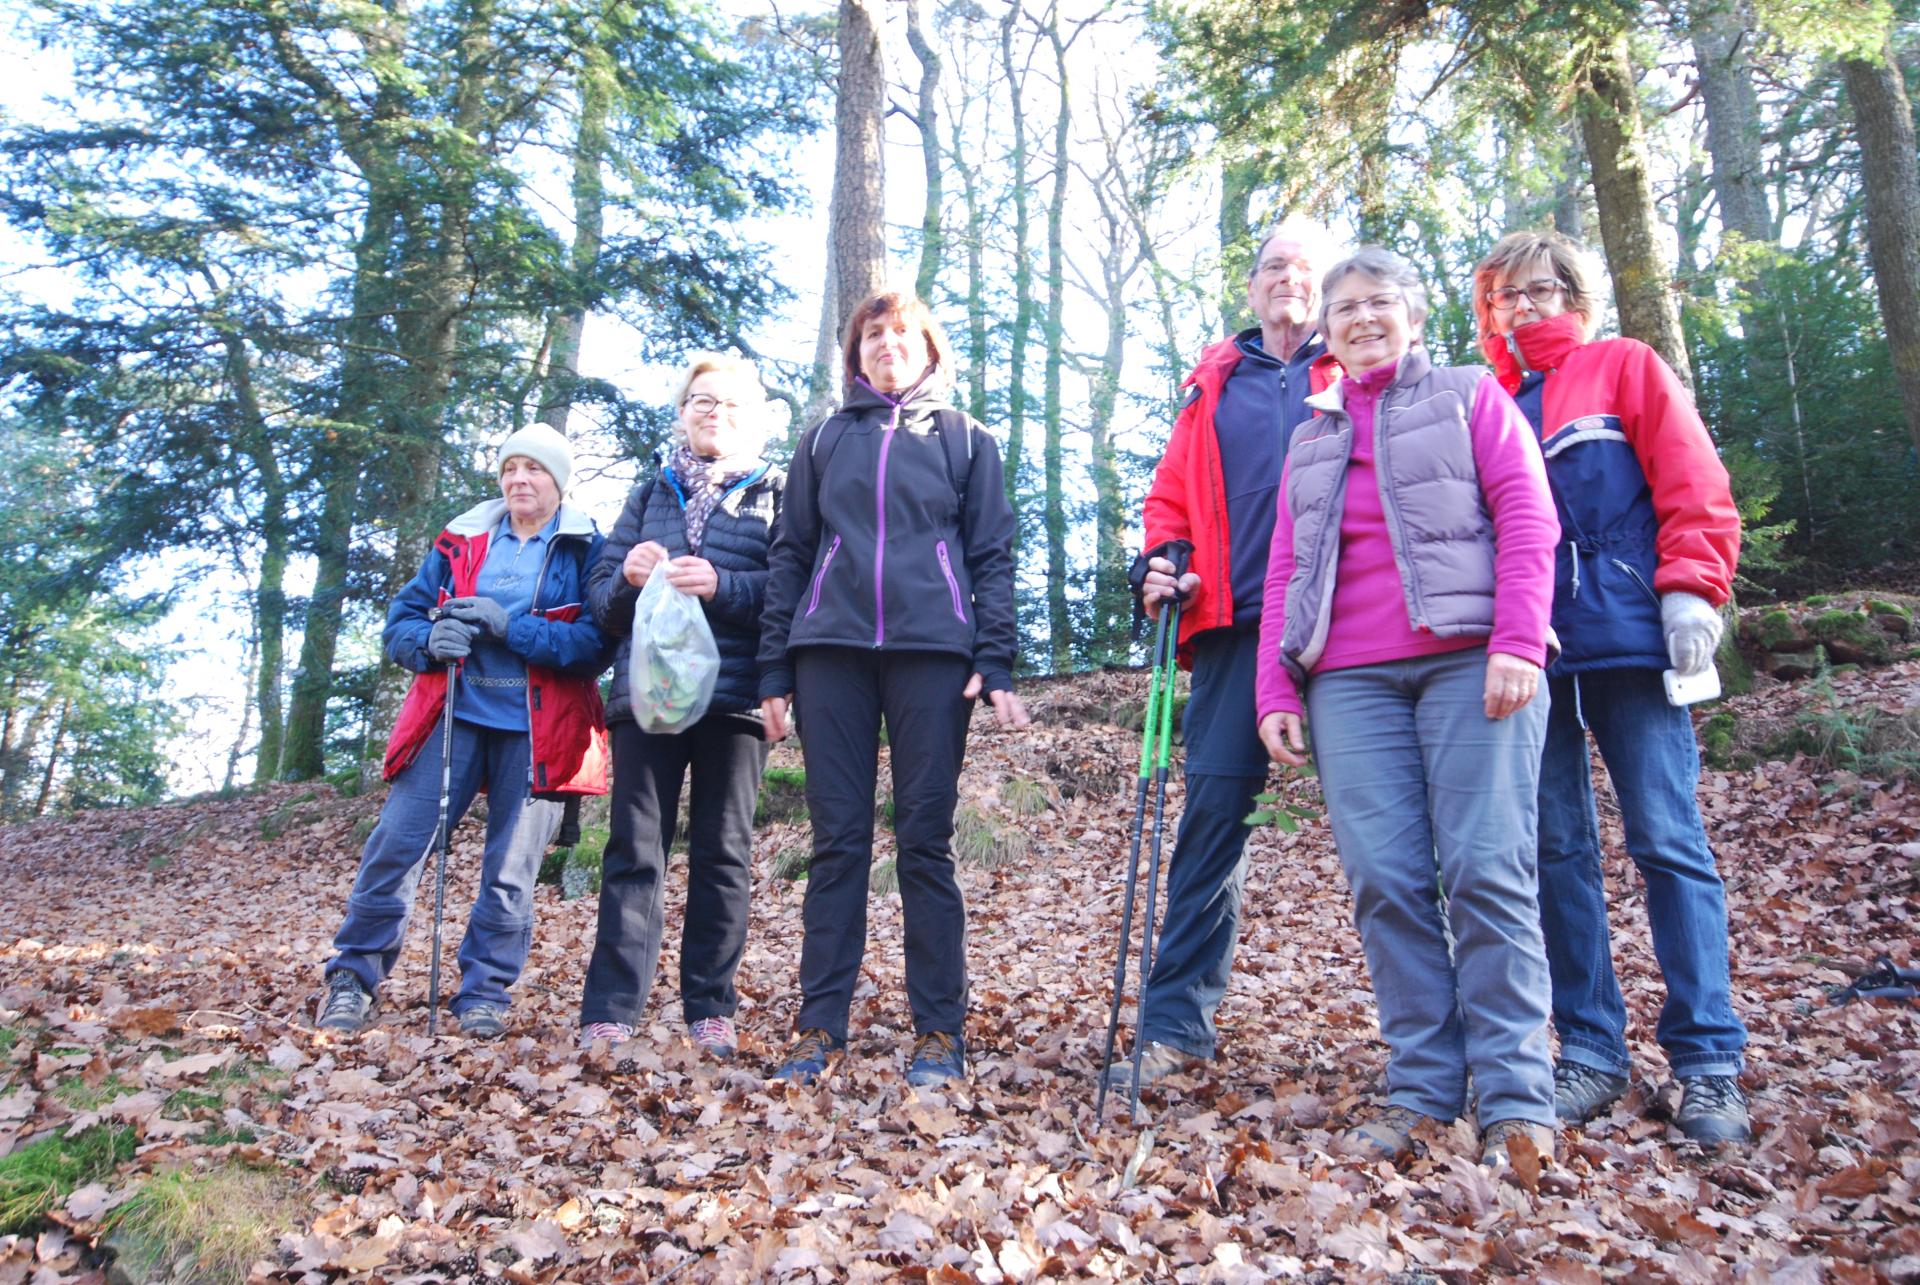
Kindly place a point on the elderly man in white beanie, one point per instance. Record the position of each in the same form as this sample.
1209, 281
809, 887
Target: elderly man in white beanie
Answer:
493, 623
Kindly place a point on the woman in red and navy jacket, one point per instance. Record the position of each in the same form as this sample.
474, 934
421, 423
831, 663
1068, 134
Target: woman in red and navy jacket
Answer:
1649, 540
499, 602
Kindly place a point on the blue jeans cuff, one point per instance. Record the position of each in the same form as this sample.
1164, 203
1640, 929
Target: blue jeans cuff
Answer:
1706, 1064
1594, 1058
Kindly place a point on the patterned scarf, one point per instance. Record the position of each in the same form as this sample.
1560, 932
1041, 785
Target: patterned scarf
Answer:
705, 479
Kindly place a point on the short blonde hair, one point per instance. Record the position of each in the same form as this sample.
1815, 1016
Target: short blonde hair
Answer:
721, 363
1572, 265
907, 306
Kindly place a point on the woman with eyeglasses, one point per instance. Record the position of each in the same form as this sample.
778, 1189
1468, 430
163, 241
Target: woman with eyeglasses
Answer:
1409, 583
705, 521
1649, 540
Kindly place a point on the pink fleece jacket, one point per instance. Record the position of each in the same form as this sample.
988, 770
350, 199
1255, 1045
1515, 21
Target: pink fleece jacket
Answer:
1369, 623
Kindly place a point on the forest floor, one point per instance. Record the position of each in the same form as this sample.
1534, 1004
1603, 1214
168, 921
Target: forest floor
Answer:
158, 972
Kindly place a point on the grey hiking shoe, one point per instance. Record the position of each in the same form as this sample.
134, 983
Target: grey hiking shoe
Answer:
715, 1036
1387, 1136
1581, 1092
938, 1056
614, 1033
1498, 1137
346, 1004
1157, 1062
1713, 1110
483, 1021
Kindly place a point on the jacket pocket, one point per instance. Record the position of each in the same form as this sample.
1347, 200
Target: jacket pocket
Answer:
953, 586
820, 576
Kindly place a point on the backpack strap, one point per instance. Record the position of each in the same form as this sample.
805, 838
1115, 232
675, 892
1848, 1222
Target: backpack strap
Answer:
955, 430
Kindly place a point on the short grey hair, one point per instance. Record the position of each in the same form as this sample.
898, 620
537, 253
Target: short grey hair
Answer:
1384, 266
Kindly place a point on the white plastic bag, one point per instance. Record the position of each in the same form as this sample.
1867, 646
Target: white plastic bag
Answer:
674, 662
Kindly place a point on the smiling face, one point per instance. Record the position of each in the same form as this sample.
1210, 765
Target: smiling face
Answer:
1367, 323
893, 353
1523, 309
1282, 288
717, 415
531, 493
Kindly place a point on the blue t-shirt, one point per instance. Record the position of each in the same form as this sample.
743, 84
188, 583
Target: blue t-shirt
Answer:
1264, 398
494, 680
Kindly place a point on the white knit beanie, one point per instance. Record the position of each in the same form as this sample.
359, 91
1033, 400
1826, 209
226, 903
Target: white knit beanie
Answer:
544, 446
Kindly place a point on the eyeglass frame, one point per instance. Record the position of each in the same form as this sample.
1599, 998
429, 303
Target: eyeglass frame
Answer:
1551, 286
1345, 309
713, 403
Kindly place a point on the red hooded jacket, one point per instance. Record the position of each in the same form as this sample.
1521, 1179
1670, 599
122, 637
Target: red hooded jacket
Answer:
1188, 498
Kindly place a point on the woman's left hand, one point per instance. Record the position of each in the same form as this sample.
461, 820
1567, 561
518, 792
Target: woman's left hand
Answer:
1008, 709
693, 575
1511, 683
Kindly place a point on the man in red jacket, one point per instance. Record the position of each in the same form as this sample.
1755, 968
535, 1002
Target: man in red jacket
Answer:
1216, 488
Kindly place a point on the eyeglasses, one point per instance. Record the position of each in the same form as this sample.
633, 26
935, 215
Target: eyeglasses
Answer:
1507, 298
701, 404
1347, 309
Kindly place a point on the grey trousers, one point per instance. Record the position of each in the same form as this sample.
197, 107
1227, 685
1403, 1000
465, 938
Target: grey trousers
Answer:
1419, 782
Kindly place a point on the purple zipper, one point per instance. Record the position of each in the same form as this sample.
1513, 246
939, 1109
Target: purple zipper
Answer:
820, 577
953, 586
880, 541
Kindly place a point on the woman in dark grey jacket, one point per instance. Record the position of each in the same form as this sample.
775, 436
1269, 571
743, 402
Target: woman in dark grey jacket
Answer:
890, 596
706, 522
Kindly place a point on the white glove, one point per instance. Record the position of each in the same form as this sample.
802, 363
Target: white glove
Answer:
1693, 629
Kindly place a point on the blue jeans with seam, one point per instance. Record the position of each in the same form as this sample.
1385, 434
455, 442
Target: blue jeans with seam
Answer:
500, 925
1654, 762
1432, 808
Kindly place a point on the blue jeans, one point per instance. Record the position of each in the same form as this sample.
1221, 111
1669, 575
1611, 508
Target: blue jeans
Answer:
1207, 873
1429, 798
1654, 761
500, 925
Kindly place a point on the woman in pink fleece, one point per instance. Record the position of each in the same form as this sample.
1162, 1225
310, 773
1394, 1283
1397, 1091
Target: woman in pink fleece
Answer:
1410, 583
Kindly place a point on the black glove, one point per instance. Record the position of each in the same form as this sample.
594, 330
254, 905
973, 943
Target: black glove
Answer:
484, 615
449, 641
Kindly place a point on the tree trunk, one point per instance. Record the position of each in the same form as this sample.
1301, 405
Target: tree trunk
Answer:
1722, 31
1022, 282
976, 281
238, 749
53, 758
569, 324
932, 239
859, 162
1239, 180
1568, 217
1883, 119
1623, 192
1059, 622
822, 384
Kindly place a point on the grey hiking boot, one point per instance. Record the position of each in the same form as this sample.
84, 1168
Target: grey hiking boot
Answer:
1157, 1062
346, 1004
483, 1021
1713, 1110
1387, 1136
715, 1036
1497, 1139
1581, 1092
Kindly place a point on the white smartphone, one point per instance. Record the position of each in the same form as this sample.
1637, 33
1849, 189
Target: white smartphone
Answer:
1692, 689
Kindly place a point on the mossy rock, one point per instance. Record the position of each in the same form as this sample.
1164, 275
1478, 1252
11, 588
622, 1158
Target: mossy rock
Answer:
1717, 739
1851, 637
1891, 618
1777, 630
1789, 665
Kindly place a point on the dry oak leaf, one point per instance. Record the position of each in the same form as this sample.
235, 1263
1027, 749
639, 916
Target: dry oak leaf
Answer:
365, 1255
540, 1239
145, 1021
166, 1072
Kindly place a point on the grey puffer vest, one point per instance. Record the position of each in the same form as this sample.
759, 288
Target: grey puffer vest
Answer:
1437, 518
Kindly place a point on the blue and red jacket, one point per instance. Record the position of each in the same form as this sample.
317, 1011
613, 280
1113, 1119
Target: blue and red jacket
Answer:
563, 650
1188, 498
1644, 502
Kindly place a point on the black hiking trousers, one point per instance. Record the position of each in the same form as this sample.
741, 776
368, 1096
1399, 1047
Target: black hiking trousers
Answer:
725, 754
843, 693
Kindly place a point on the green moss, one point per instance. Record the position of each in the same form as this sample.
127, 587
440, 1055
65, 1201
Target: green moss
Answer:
1853, 631
1717, 739
1819, 600
42, 1174
1881, 607
1775, 627
783, 796
216, 1223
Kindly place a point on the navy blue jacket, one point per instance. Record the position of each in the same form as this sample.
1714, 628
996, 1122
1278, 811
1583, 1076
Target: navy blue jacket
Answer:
739, 532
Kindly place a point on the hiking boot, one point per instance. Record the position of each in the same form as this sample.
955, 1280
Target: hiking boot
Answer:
1388, 1136
346, 1004
937, 1057
614, 1033
1712, 1110
1496, 1137
483, 1021
1581, 1092
715, 1037
1157, 1062
807, 1057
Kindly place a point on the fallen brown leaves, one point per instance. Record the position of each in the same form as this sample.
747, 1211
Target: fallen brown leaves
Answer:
167, 960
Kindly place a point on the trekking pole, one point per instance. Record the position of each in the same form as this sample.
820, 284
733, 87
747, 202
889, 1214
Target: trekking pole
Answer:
1165, 731
440, 849
1166, 642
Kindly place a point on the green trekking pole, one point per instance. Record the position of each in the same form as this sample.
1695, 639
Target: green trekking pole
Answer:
1165, 646
1164, 733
